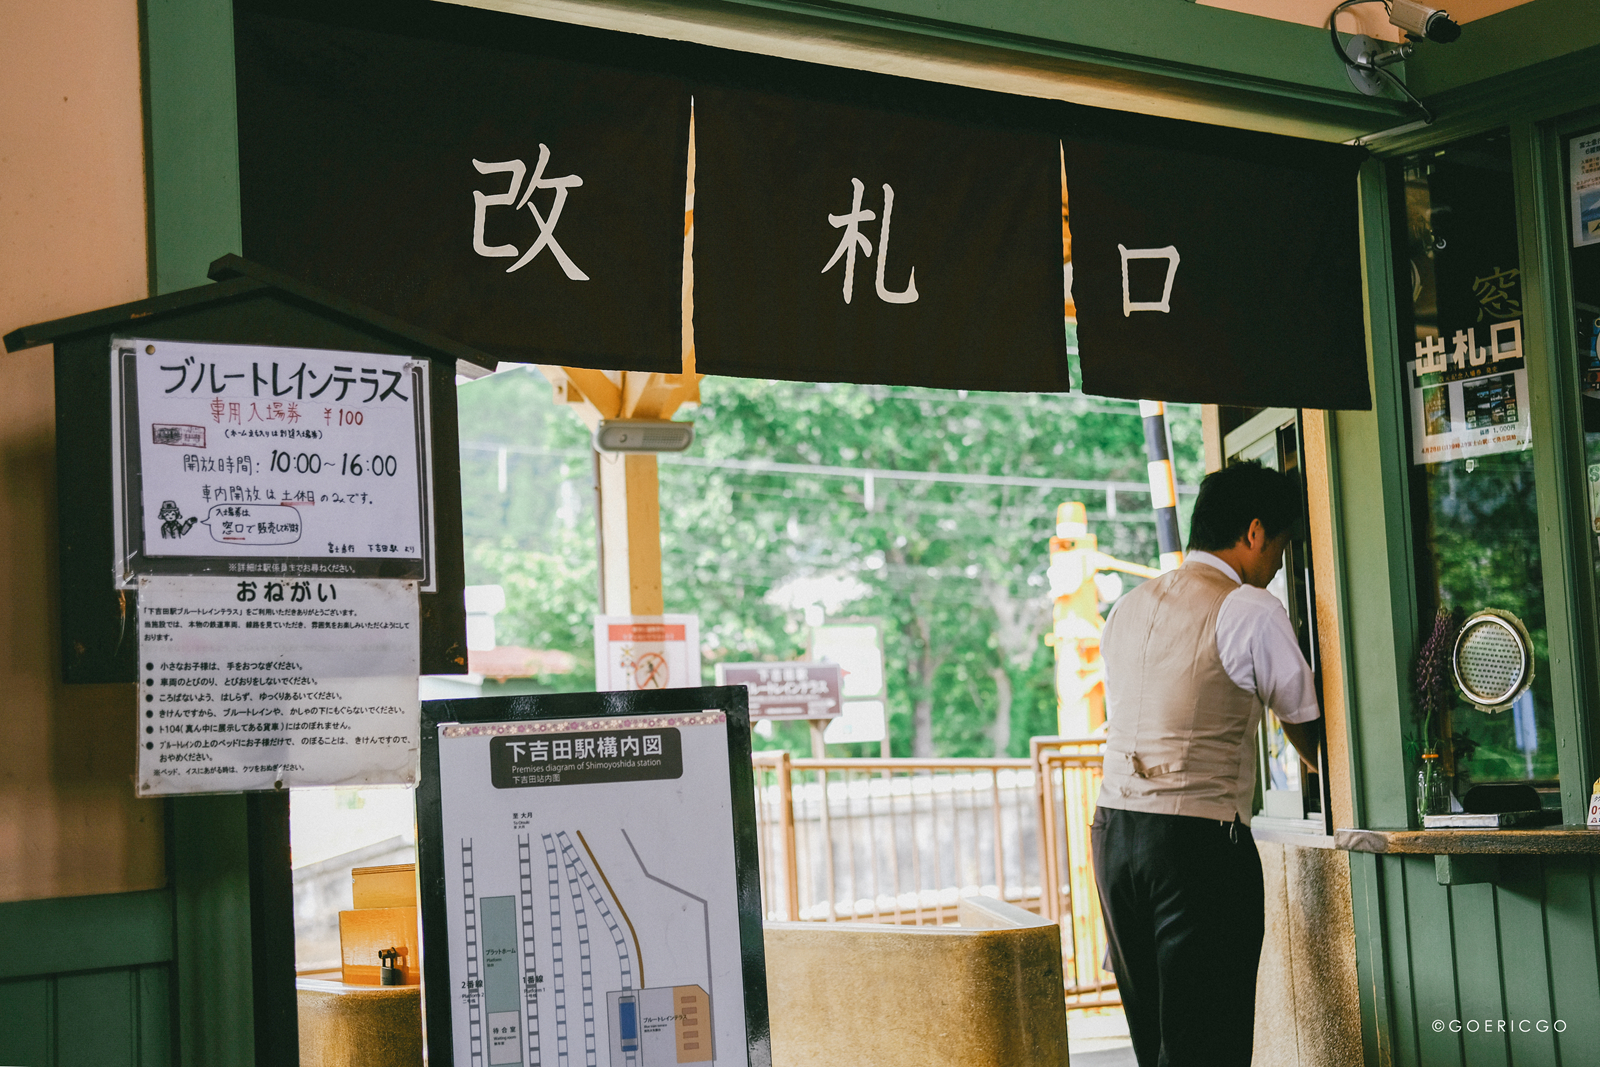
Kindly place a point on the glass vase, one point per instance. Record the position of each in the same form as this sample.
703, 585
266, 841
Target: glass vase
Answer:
1432, 796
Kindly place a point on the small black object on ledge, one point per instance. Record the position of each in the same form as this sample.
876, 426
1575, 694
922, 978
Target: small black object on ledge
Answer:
390, 975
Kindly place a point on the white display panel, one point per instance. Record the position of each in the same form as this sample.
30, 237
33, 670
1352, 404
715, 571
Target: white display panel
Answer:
591, 892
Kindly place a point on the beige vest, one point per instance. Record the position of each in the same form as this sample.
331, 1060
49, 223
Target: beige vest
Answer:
1181, 733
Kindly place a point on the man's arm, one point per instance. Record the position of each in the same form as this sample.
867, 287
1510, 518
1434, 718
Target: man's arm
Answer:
1261, 654
1304, 737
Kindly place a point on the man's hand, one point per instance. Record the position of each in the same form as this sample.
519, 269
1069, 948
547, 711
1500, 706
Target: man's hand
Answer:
1304, 736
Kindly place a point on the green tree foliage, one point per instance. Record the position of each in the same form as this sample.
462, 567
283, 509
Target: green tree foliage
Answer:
955, 571
527, 505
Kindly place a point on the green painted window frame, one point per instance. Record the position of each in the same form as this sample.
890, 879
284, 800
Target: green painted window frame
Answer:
1565, 533
1378, 565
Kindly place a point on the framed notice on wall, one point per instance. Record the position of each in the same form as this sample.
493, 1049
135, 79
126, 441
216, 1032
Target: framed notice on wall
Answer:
276, 684
589, 880
247, 460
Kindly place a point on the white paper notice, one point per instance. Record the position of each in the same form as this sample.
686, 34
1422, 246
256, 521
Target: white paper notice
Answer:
1469, 394
255, 453
1585, 187
592, 892
646, 652
251, 684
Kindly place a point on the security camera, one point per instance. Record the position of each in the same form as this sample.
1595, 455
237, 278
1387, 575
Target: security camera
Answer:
1367, 61
1420, 20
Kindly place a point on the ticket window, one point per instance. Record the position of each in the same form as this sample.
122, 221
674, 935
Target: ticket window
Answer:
1475, 508
1286, 787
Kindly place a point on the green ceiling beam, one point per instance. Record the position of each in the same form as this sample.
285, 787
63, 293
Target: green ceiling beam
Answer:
1511, 40
1170, 36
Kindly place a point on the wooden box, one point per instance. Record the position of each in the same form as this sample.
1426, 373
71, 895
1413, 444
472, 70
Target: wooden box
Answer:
394, 886
365, 932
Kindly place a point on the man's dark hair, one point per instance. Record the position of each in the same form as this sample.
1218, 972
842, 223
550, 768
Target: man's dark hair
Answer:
1231, 497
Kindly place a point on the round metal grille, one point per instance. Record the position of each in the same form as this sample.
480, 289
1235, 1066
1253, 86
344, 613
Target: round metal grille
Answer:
1493, 660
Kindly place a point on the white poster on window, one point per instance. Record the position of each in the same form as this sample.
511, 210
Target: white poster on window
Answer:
245, 459
646, 652
1585, 188
271, 684
1469, 395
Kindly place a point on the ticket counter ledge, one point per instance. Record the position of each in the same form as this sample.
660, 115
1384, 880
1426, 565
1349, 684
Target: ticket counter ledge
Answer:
1545, 841
1475, 857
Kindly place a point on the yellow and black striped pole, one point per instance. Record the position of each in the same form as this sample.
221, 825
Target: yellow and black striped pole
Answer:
1163, 486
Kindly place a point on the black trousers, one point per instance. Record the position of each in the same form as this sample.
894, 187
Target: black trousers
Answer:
1183, 906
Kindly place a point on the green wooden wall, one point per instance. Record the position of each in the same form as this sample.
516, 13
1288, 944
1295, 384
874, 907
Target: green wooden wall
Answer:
87, 981
1481, 975
1441, 968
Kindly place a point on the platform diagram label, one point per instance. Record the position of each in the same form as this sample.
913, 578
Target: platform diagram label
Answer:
593, 919
575, 759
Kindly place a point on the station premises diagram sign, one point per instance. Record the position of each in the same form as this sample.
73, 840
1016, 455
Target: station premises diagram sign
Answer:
591, 892
250, 460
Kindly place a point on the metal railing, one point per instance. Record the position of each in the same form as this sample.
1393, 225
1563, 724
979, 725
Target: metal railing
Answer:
902, 840
1068, 776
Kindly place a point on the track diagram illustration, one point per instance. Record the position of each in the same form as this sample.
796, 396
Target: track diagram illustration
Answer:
586, 934
571, 969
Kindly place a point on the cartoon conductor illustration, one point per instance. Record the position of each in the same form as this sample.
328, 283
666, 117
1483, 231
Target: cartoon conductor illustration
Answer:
173, 524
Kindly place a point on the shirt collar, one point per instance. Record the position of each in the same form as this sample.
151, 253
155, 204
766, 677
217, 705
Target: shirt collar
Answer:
1201, 556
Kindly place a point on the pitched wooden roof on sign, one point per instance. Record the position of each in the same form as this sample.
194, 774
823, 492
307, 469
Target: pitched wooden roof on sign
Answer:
233, 278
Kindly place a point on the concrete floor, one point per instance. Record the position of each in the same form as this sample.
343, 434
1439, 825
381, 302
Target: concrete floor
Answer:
1099, 1039
1111, 1057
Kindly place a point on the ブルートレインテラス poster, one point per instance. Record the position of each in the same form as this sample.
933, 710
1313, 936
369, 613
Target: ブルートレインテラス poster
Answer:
245, 460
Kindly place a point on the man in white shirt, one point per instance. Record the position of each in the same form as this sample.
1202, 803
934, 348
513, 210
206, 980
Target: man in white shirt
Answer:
1192, 658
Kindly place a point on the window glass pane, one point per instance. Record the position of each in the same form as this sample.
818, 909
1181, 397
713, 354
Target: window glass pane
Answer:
1286, 787
1475, 513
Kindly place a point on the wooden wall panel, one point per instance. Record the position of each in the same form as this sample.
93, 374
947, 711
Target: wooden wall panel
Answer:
111, 1018
1519, 905
26, 1026
97, 1018
73, 232
1572, 934
1464, 960
1426, 947
87, 981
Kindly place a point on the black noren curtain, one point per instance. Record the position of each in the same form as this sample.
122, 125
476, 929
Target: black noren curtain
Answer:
525, 205
359, 125
1218, 278
842, 243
